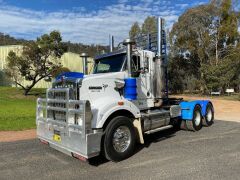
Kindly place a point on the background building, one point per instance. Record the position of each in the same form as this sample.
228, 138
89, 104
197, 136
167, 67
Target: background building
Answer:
70, 60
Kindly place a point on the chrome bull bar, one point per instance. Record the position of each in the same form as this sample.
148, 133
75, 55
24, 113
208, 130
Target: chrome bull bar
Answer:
71, 119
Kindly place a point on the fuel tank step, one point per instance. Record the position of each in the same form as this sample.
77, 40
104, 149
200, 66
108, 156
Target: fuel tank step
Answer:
158, 129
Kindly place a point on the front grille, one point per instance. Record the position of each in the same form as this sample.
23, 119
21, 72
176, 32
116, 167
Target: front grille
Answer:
59, 96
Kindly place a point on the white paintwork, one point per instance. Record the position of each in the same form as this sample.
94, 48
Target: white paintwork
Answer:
145, 97
104, 101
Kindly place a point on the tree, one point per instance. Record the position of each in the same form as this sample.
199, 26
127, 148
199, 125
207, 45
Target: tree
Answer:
226, 74
8, 40
204, 35
191, 37
228, 29
135, 30
149, 25
37, 61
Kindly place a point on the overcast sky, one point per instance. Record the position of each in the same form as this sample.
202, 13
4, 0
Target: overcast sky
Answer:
85, 21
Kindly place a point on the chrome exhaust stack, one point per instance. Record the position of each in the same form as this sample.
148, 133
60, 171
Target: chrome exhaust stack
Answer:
159, 85
111, 43
128, 43
84, 57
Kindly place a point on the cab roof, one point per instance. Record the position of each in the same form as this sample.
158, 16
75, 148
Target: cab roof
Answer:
122, 51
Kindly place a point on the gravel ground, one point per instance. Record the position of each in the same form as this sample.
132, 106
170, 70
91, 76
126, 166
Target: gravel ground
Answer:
212, 153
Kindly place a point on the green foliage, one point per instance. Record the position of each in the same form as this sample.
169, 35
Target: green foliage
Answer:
226, 74
8, 40
92, 50
228, 29
204, 47
17, 111
149, 25
135, 30
37, 61
206, 37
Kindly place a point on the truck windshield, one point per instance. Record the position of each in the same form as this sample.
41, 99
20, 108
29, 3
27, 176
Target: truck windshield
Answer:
109, 64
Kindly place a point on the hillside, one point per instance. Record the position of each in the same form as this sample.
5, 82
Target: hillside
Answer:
78, 48
8, 40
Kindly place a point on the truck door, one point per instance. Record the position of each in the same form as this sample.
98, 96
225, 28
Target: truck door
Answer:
141, 70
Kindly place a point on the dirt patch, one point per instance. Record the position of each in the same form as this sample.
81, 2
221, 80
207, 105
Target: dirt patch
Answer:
9, 136
225, 110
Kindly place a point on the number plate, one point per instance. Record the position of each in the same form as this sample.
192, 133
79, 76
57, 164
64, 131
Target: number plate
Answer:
57, 137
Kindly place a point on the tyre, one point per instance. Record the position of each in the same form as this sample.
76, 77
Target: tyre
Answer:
209, 116
119, 139
196, 123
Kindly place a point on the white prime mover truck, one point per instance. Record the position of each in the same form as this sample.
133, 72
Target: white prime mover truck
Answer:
110, 110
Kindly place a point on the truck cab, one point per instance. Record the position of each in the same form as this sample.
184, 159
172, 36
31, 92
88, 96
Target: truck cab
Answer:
110, 110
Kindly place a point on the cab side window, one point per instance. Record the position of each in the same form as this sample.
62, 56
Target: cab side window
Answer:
136, 66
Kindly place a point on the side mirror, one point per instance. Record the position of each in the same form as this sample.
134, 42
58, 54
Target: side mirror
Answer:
136, 73
119, 84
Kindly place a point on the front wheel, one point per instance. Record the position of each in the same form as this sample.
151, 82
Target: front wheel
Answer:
119, 139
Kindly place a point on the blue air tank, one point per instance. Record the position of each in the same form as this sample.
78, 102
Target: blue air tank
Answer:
130, 88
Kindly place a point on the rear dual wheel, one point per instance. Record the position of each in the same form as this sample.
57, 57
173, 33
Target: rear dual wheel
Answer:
209, 116
196, 123
198, 120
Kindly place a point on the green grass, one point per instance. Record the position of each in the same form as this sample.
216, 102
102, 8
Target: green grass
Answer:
17, 112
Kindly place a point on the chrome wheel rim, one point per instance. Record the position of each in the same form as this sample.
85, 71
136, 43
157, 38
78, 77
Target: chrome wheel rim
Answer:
209, 115
197, 118
121, 139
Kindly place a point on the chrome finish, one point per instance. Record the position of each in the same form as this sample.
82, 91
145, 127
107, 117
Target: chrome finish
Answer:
111, 43
159, 39
71, 119
175, 111
121, 139
197, 118
159, 71
129, 44
155, 118
85, 62
158, 129
209, 115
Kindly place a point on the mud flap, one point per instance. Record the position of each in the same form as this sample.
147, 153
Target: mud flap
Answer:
138, 127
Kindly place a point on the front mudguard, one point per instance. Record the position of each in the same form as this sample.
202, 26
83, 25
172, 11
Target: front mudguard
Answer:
102, 111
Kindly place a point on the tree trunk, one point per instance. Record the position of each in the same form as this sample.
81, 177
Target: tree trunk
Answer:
216, 49
26, 91
202, 87
28, 88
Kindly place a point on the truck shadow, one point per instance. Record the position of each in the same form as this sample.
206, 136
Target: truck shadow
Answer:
149, 139
155, 138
